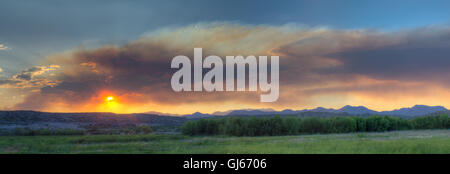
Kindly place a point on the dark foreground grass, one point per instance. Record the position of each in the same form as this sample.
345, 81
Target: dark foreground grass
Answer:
424, 141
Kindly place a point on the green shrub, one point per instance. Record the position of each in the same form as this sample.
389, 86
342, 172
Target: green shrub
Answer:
431, 122
272, 126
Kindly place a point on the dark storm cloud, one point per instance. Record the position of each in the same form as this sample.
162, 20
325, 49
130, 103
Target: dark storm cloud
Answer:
311, 60
416, 55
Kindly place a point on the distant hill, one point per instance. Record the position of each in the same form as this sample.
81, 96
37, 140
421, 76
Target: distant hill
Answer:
10, 120
31, 117
416, 110
198, 115
244, 112
160, 113
356, 110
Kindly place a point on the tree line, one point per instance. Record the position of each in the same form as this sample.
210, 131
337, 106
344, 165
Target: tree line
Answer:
272, 126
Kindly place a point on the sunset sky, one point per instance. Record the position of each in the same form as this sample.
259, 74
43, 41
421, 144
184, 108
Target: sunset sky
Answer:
114, 56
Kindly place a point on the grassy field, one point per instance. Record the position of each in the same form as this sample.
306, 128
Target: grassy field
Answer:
424, 141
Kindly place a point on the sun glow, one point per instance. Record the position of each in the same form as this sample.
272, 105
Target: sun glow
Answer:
110, 103
109, 98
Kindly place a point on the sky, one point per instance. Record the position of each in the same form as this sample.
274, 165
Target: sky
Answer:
70, 56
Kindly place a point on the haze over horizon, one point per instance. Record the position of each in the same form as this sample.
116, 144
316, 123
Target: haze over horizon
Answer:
114, 56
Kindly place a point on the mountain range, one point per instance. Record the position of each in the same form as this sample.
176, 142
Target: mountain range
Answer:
416, 110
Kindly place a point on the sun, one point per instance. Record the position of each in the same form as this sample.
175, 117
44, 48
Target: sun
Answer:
109, 98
